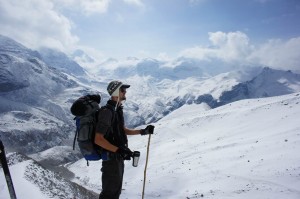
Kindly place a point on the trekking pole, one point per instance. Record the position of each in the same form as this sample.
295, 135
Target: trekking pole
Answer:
9, 182
145, 171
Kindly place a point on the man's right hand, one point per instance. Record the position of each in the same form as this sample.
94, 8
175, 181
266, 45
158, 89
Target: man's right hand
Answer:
125, 152
148, 130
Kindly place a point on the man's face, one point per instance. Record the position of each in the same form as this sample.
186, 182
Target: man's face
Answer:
122, 94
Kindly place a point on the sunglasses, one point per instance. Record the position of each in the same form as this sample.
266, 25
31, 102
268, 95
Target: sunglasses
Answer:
123, 90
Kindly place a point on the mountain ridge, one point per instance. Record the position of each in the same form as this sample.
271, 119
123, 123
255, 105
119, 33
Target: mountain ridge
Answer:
32, 86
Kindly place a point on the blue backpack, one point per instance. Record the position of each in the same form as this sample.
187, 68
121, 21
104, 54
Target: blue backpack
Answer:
86, 109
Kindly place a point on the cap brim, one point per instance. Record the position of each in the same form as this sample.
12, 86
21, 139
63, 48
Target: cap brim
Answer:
125, 86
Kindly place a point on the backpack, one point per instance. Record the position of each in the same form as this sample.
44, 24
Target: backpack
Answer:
86, 109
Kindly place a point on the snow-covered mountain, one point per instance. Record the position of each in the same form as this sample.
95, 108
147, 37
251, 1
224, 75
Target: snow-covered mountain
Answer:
38, 88
61, 61
183, 97
268, 83
31, 117
158, 98
246, 149
178, 69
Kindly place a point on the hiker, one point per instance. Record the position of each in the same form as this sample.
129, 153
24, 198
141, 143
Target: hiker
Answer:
111, 135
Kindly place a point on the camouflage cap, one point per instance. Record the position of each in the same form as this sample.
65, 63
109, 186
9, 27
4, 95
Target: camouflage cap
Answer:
114, 86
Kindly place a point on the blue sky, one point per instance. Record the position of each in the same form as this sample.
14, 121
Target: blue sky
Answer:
243, 30
172, 25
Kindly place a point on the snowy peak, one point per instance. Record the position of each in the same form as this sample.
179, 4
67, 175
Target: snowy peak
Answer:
82, 57
61, 61
13, 47
22, 70
278, 82
29, 92
269, 82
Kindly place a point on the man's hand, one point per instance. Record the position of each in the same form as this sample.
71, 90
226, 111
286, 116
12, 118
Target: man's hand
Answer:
148, 130
124, 152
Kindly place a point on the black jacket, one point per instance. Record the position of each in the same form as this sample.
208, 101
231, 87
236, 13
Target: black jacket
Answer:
111, 124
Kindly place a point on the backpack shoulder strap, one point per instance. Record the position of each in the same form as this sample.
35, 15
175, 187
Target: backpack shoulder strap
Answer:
112, 109
76, 131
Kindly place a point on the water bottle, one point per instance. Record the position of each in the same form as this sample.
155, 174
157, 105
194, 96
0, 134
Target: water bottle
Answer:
136, 157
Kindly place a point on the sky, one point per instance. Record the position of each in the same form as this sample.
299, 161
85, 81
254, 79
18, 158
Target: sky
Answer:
263, 32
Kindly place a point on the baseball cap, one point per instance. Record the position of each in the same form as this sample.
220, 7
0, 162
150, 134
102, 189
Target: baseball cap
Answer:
114, 87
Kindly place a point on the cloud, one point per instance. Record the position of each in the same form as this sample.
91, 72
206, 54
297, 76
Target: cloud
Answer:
87, 7
235, 48
228, 47
89, 58
164, 57
35, 23
40, 23
278, 54
94, 6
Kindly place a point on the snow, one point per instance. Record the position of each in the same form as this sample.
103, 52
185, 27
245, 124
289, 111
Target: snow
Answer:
23, 188
87, 176
31, 180
36, 119
247, 149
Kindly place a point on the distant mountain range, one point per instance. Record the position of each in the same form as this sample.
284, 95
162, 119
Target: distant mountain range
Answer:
33, 118
37, 89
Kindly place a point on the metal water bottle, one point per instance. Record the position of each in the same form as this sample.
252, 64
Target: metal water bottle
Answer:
136, 157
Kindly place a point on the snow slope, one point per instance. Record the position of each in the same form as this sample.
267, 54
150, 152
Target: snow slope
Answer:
246, 149
33, 181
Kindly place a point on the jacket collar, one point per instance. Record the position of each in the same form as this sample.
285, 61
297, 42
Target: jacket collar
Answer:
114, 104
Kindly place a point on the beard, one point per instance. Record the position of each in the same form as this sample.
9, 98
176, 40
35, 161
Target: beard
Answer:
123, 98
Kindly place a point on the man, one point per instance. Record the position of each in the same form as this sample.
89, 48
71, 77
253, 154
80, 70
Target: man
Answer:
111, 135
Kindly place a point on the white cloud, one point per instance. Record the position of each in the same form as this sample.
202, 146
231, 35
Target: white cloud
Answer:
89, 58
229, 47
235, 48
35, 23
94, 6
87, 7
278, 54
164, 57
